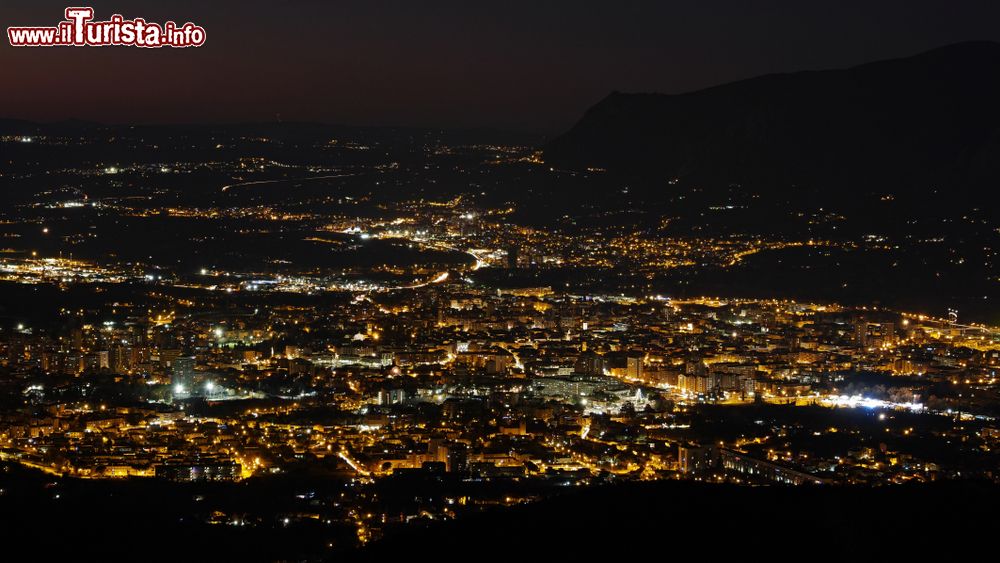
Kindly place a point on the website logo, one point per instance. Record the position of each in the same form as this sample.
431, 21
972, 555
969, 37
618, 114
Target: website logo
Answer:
80, 30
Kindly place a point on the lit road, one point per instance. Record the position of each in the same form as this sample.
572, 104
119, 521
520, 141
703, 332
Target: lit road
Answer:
344, 455
443, 276
282, 180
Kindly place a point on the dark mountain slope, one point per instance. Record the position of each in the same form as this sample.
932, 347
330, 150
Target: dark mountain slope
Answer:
913, 123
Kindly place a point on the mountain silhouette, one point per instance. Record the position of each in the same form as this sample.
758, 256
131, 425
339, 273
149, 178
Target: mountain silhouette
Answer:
930, 121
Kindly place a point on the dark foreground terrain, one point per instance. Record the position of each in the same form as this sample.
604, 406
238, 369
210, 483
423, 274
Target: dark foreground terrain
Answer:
675, 520
148, 521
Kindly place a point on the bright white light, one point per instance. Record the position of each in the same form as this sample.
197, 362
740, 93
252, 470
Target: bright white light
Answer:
868, 403
209, 387
218, 333
178, 389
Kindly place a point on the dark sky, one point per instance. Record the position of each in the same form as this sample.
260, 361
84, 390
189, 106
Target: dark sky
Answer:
521, 65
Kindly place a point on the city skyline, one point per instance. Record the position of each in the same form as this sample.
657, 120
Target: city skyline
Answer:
335, 281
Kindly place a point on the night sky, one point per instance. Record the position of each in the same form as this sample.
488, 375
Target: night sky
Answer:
518, 65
